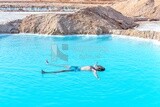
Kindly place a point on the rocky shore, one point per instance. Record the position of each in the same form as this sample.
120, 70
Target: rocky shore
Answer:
91, 20
94, 20
10, 27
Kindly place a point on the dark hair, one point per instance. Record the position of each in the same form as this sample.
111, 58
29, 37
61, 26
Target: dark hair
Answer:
99, 68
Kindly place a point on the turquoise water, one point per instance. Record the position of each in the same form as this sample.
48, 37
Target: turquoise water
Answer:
131, 79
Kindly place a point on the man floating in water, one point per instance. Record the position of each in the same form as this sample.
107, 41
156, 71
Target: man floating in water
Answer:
93, 69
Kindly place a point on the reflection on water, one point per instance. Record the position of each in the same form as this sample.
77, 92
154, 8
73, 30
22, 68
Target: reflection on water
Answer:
85, 38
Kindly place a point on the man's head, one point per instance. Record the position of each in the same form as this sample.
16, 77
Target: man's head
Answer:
99, 68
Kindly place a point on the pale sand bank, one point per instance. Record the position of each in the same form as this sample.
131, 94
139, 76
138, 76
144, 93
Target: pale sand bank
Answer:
149, 26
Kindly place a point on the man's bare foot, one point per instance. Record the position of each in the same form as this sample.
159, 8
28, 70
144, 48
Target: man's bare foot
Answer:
42, 71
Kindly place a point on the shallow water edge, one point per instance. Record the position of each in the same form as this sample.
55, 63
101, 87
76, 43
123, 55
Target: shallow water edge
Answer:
156, 42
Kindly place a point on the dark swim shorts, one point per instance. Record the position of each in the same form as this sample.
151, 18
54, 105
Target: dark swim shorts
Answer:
74, 68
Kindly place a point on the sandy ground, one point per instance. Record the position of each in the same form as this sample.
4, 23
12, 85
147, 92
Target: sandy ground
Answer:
10, 16
149, 26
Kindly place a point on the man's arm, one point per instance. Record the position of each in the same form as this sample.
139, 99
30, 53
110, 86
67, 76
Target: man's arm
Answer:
95, 73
